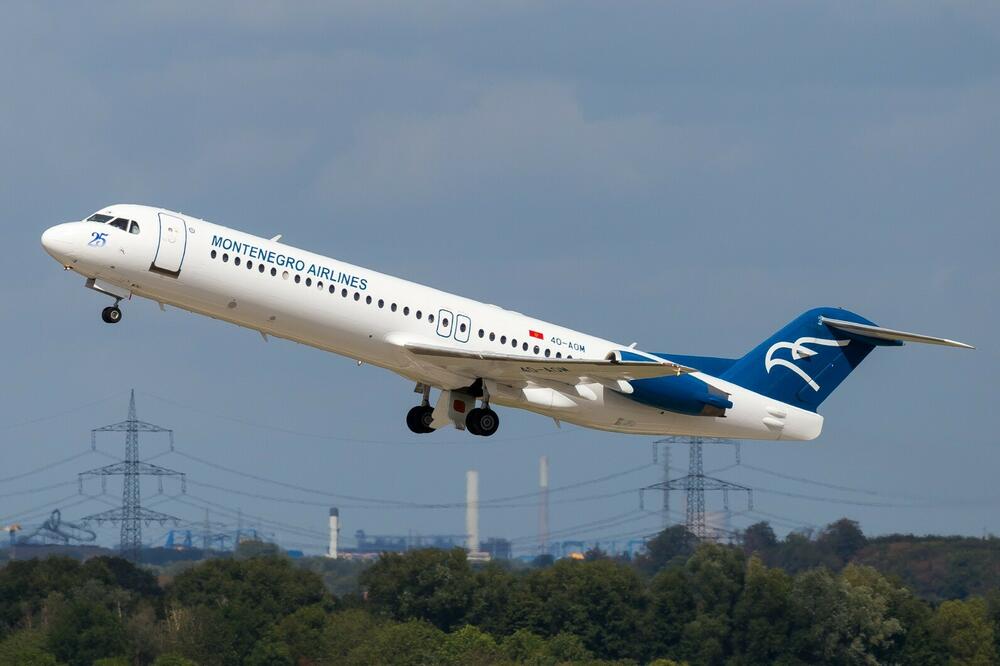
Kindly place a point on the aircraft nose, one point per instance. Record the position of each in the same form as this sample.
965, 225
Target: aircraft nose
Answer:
58, 241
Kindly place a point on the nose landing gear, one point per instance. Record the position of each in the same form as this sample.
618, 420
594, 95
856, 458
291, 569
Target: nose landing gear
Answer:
111, 314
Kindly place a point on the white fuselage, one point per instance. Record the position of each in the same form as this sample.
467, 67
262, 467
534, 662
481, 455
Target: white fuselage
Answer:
286, 292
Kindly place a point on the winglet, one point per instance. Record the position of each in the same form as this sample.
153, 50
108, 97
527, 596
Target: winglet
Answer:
880, 333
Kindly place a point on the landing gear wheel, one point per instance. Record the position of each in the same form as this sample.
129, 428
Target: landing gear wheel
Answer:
111, 314
472, 421
482, 422
419, 419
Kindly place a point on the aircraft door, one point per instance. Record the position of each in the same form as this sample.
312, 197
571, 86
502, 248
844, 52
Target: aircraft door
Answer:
172, 245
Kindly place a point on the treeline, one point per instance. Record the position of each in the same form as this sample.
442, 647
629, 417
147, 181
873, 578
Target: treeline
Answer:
707, 604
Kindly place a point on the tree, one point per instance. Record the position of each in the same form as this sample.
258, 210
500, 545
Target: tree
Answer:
669, 546
27, 647
469, 646
843, 538
411, 643
835, 622
602, 602
227, 606
759, 538
82, 629
761, 615
963, 631
432, 585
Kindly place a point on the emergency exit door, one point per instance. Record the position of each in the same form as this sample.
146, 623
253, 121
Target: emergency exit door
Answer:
172, 246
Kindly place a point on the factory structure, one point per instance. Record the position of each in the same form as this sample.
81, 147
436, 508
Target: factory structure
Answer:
370, 546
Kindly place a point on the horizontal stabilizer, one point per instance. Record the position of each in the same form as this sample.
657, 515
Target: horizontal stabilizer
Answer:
880, 333
511, 368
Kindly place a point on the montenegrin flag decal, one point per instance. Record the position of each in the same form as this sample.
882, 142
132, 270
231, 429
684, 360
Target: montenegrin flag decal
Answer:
536, 334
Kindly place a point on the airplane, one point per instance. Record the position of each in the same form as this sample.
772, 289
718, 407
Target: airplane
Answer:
470, 351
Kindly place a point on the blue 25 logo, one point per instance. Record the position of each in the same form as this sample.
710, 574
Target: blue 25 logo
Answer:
98, 239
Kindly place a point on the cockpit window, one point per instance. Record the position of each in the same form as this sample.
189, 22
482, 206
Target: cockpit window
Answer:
120, 222
134, 227
99, 217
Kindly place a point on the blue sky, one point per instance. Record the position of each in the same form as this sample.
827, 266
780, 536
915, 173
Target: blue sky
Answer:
687, 176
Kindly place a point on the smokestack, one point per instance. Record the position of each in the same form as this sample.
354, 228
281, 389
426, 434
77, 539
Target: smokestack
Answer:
472, 510
334, 532
543, 504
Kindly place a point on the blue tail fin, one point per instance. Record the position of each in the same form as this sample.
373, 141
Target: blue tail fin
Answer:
805, 361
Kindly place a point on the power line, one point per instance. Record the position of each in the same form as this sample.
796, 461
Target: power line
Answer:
51, 417
39, 489
45, 467
389, 503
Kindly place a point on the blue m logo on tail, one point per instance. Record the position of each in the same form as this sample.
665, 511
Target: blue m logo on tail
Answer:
799, 351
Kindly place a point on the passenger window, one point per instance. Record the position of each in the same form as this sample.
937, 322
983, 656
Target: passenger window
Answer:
309, 282
319, 285
524, 346
492, 336
298, 278
406, 310
260, 268
333, 289
134, 228
98, 217
536, 349
558, 354
357, 296
119, 223
214, 254
503, 339
381, 304
368, 300
343, 292
548, 353
225, 258
420, 315
274, 271
236, 260
513, 342
249, 265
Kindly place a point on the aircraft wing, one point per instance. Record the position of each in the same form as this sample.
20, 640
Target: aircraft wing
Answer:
507, 368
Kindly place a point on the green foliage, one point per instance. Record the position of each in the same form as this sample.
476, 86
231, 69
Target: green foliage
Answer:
432, 585
173, 660
964, 632
673, 545
601, 602
410, 643
26, 648
223, 607
711, 604
86, 626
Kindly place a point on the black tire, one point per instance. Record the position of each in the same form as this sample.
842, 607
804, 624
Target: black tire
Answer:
489, 422
472, 421
419, 419
111, 315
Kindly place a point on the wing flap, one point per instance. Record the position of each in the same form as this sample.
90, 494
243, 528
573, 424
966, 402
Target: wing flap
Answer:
509, 368
881, 333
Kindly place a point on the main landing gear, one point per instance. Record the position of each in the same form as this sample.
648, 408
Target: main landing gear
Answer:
419, 419
482, 421
111, 314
